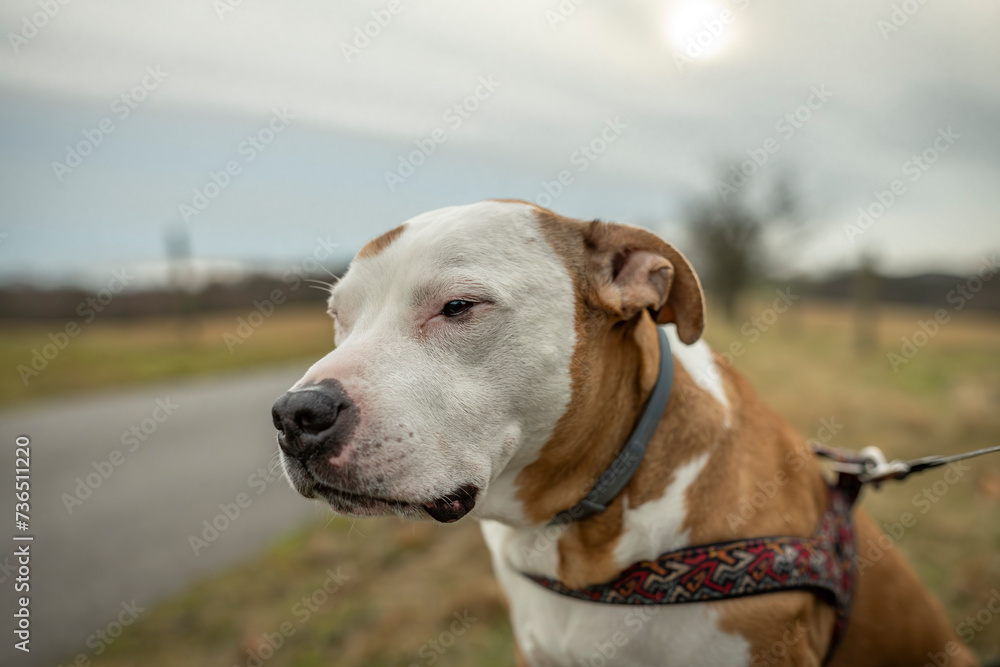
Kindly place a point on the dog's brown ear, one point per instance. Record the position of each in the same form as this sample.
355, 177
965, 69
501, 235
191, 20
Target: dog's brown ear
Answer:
632, 269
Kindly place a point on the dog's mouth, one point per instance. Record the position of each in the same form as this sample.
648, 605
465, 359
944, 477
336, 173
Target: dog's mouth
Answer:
444, 509
454, 506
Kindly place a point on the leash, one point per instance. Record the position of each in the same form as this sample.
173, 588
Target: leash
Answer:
869, 465
823, 563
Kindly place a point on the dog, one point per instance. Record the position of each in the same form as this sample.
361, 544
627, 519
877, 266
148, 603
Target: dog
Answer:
492, 359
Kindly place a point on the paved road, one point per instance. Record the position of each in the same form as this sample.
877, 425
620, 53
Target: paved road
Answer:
129, 540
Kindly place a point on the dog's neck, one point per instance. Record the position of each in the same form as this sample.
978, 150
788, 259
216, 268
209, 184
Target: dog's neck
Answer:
612, 376
702, 467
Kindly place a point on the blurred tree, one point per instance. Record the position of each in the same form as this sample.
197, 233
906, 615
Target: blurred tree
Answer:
729, 231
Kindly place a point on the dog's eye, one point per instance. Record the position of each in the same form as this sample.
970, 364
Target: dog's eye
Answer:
457, 307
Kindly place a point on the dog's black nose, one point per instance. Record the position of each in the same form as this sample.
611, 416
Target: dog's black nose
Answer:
314, 420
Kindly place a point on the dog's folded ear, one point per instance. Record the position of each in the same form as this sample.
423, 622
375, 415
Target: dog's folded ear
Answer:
632, 269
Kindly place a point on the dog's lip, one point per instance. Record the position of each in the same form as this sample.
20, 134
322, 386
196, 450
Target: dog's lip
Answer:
444, 509
454, 506
331, 492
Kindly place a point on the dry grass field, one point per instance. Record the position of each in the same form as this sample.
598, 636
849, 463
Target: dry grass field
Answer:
111, 353
397, 587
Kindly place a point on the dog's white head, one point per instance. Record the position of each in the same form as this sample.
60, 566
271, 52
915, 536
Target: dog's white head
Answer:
455, 339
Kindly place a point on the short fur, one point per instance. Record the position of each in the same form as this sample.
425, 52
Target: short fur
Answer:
530, 396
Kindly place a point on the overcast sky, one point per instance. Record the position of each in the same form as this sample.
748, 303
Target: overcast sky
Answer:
199, 77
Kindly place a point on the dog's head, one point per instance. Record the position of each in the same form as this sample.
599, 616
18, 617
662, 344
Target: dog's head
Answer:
455, 341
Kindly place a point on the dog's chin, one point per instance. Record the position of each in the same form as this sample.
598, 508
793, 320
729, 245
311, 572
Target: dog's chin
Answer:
444, 509
359, 506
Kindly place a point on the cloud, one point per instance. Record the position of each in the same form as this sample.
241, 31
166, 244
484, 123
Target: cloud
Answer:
560, 83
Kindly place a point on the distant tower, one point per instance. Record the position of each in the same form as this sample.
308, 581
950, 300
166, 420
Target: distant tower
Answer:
177, 240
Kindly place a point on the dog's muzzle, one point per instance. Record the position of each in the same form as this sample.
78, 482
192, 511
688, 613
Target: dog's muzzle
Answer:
314, 421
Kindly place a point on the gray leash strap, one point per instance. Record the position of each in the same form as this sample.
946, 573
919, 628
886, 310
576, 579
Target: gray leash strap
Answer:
871, 467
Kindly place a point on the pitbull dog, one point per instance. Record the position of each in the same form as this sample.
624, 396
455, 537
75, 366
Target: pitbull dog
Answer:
491, 361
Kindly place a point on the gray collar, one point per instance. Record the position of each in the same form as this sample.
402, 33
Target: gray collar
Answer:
613, 480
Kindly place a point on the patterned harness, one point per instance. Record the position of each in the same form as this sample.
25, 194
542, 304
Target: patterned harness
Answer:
823, 563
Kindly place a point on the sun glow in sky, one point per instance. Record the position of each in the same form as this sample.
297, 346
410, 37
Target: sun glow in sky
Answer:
698, 86
700, 29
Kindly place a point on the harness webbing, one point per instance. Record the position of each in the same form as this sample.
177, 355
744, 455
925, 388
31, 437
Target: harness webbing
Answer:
823, 563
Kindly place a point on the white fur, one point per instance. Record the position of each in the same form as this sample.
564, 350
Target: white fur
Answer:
443, 403
552, 629
700, 364
656, 527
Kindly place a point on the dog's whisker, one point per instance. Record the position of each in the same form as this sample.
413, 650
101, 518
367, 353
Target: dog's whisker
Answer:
320, 284
336, 278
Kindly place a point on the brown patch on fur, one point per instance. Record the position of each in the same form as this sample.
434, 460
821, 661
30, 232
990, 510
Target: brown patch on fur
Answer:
380, 243
614, 367
895, 620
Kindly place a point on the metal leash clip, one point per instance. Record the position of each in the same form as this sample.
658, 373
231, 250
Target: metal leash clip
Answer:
869, 465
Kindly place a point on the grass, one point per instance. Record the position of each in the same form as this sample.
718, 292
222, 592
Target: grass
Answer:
405, 581
112, 353
335, 594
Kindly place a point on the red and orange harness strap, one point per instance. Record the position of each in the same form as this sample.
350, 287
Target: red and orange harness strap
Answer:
823, 563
